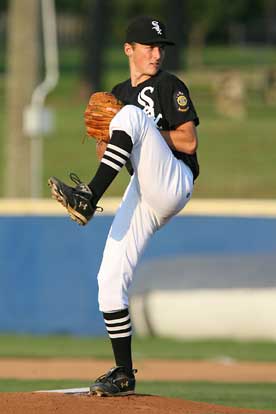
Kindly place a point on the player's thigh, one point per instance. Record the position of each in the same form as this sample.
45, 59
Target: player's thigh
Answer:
169, 191
165, 182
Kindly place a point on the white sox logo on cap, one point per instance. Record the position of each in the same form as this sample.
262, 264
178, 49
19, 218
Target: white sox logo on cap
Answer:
147, 31
155, 26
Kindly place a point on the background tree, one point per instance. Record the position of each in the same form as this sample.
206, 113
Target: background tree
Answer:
270, 20
125, 10
205, 17
22, 70
175, 12
97, 30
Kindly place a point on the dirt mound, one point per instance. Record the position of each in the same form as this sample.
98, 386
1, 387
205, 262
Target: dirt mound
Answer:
33, 403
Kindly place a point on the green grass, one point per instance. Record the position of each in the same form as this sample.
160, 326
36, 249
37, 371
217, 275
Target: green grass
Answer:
259, 396
237, 157
239, 56
213, 58
83, 347
255, 395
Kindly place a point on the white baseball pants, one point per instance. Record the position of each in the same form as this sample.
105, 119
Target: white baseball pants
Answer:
160, 187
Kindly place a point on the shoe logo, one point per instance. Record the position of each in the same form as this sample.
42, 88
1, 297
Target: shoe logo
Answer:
83, 205
124, 384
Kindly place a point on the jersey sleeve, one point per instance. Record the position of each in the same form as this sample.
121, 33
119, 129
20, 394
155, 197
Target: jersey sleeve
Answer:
118, 91
176, 102
114, 90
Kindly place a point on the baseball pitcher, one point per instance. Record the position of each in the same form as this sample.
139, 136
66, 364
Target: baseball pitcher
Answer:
149, 124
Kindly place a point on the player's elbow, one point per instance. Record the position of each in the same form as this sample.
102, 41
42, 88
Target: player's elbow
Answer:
187, 138
191, 146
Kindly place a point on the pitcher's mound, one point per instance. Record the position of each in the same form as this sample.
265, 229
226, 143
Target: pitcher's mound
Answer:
48, 403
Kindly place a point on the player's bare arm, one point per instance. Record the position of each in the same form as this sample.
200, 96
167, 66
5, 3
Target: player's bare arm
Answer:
100, 149
183, 139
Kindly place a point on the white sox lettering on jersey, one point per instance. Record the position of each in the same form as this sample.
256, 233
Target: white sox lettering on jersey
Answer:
148, 104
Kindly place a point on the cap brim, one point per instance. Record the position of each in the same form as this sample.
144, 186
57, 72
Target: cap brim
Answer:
155, 41
158, 42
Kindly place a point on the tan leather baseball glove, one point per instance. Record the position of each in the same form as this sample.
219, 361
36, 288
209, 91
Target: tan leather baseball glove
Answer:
101, 108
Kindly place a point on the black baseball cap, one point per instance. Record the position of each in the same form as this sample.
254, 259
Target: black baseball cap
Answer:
147, 31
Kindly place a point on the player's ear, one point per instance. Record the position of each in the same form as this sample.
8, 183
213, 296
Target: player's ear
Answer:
128, 49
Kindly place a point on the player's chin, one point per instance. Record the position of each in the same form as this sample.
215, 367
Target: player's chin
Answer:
153, 70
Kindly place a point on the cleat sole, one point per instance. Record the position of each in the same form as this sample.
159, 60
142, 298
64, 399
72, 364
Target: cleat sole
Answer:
56, 194
60, 197
101, 393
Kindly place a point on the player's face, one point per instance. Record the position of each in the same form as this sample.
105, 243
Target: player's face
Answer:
145, 60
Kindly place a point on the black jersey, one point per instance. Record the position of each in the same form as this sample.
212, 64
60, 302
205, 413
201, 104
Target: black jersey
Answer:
166, 100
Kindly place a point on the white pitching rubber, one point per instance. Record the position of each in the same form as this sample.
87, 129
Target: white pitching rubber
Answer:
84, 390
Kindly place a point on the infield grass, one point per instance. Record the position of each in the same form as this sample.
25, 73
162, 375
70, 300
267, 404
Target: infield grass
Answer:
254, 395
149, 347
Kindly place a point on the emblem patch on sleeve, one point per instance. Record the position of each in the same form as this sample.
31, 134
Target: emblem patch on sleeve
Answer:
181, 102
